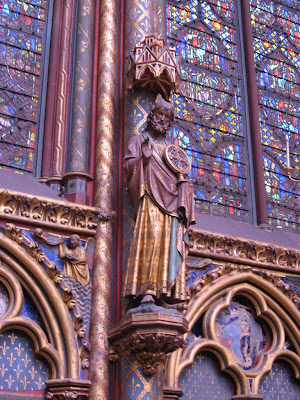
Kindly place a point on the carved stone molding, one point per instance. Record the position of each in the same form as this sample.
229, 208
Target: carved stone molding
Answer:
16, 234
228, 269
172, 393
232, 249
61, 389
151, 336
151, 350
247, 397
49, 213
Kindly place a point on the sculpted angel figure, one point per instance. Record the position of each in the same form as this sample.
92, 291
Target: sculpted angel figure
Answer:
163, 208
75, 258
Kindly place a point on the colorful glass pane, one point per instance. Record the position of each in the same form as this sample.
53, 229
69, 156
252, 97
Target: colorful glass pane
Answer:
225, 9
28, 15
22, 34
208, 105
276, 48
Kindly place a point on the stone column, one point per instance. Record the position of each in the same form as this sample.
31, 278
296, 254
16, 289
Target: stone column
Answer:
258, 167
102, 265
61, 112
76, 179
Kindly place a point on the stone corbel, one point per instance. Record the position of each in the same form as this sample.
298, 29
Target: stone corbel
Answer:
155, 65
61, 389
172, 393
151, 334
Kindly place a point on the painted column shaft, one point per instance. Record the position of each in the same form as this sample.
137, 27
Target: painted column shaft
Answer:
52, 88
258, 167
60, 129
102, 266
82, 87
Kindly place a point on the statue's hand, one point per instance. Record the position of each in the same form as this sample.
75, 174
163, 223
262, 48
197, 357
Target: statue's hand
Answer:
147, 150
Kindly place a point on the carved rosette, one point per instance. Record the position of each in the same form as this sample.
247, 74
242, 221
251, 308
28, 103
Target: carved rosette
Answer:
151, 336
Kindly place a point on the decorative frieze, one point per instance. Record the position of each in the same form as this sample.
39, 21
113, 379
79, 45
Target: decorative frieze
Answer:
243, 251
49, 213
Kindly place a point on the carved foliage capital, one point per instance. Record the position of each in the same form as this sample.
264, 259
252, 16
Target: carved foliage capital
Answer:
150, 349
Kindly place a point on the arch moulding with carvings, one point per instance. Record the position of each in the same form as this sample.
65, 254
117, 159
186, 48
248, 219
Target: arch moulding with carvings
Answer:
58, 344
273, 305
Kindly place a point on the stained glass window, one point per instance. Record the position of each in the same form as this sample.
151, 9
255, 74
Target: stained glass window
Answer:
276, 31
22, 35
209, 121
211, 103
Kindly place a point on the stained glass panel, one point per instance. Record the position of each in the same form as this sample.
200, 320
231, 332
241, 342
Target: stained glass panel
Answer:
277, 54
209, 121
22, 35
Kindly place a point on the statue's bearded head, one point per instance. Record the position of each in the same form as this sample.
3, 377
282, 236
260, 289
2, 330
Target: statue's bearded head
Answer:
160, 117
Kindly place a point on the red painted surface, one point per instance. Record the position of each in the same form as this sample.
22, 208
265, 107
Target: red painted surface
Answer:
79, 198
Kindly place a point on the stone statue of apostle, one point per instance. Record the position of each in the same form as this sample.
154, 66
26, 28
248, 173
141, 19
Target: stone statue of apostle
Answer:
163, 209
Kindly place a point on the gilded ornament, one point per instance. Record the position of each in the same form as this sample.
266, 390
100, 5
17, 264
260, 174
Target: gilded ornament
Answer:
153, 64
12, 232
49, 212
151, 349
35, 252
79, 326
75, 258
231, 249
68, 298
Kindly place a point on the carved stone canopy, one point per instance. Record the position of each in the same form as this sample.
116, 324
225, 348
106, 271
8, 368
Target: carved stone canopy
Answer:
153, 64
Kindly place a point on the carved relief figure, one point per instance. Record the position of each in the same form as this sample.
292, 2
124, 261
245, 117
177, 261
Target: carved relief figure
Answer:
163, 209
76, 264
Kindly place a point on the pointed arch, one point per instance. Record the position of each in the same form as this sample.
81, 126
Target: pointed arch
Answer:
271, 305
58, 344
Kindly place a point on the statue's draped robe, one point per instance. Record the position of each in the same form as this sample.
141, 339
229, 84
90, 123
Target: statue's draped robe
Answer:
77, 266
163, 211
